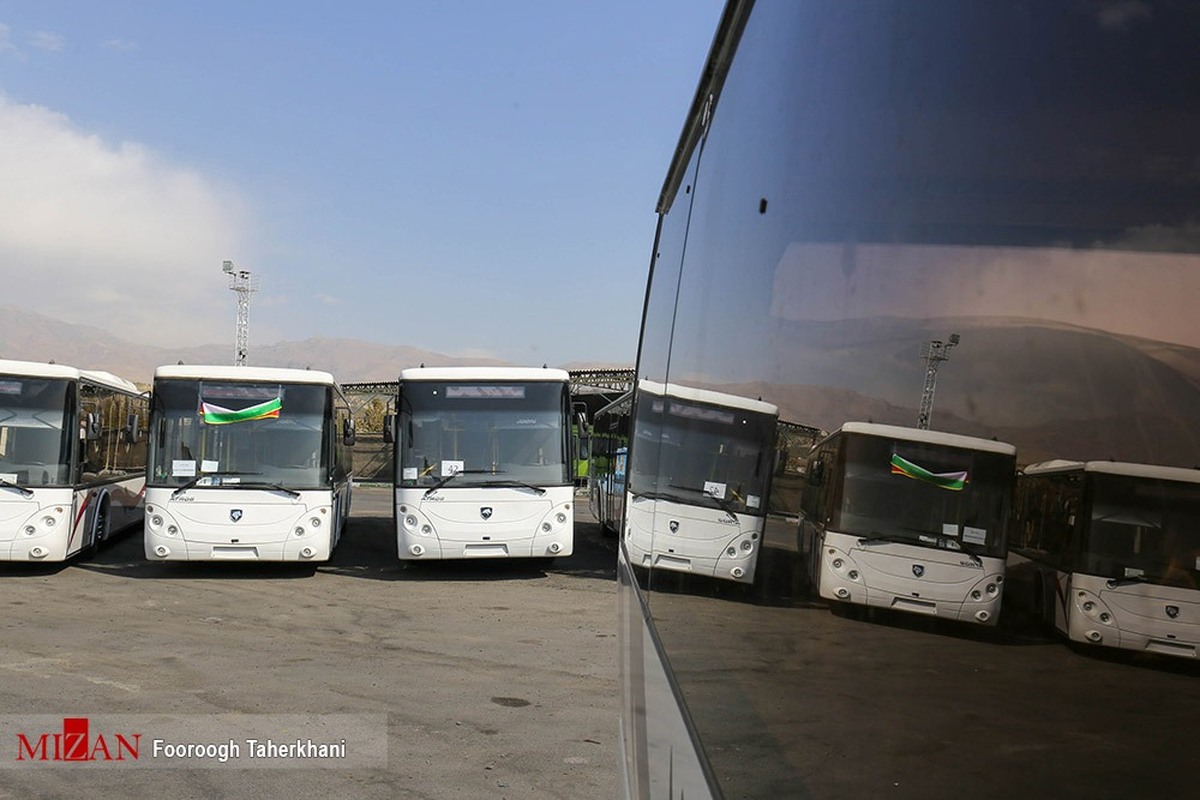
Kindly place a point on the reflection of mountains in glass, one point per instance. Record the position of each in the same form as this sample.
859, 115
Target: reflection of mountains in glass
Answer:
1049, 388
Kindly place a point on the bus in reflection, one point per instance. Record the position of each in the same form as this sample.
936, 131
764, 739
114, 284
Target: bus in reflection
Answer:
908, 519
700, 469
609, 459
1110, 552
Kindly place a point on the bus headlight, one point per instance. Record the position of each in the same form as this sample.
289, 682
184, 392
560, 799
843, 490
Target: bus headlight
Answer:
172, 530
747, 546
30, 530
315, 522
299, 531
49, 522
156, 521
547, 527
410, 521
1093, 607
561, 517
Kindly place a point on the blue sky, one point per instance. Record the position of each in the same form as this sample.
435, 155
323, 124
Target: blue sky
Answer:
467, 177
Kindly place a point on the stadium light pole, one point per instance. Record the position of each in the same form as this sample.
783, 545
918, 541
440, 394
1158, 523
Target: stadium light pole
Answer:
244, 284
933, 353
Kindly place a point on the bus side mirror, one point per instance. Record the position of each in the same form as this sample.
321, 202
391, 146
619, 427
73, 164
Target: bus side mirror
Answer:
348, 433
133, 429
816, 476
92, 428
389, 428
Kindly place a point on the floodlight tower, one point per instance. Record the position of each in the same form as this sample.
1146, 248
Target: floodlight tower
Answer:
933, 353
245, 284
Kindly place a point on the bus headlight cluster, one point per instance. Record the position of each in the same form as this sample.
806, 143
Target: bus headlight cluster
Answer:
843, 565
416, 522
43, 520
556, 524
1093, 607
161, 523
314, 523
987, 590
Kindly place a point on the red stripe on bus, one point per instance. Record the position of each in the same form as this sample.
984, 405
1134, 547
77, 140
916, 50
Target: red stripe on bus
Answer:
75, 526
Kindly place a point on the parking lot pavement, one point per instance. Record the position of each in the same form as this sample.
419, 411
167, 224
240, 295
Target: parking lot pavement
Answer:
497, 679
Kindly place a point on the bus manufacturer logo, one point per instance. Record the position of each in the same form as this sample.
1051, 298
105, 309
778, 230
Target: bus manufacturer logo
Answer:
918, 570
485, 512
674, 525
1172, 611
235, 514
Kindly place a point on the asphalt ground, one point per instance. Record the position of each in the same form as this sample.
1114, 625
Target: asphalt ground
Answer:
493, 679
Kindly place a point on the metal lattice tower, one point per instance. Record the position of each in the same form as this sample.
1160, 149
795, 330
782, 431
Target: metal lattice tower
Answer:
245, 284
933, 353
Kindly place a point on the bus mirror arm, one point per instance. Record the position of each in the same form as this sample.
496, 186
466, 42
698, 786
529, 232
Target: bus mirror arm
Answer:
133, 429
92, 430
389, 428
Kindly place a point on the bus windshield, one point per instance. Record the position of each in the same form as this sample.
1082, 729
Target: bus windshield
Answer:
223, 433
35, 430
702, 454
476, 434
1143, 530
927, 494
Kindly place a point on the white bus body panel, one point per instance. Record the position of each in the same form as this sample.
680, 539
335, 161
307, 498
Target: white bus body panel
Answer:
56, 523
1136, 616
885, 575
200, 525
484, 522
691, 538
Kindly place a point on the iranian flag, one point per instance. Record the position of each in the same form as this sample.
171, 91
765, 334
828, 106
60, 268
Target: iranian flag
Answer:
216, 415
954, 481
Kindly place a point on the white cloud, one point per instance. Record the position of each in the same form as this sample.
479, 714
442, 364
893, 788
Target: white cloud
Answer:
112, 235
45, 40
122, 45
6, 45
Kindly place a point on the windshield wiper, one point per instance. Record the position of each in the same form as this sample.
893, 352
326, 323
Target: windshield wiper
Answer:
874, 537
7, 484
266, 485
454, 475
196, 480
895, 538
516, 484
1128, 580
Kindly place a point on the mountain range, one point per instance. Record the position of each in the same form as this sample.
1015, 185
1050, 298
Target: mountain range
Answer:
28, 336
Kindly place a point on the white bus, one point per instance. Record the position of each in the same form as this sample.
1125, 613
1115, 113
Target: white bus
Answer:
1111, 552
699, 473
910, 520
483, 463
247, 463
609, 460
72, 460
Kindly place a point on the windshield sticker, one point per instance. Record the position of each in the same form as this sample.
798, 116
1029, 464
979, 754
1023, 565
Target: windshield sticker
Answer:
753, 501
216, 415
950, 529
974, 535
10, 387
451, 468
210, 466
10, 477
702, 414
1134, 572
183, 469
953, 481
715, 489
409, 474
